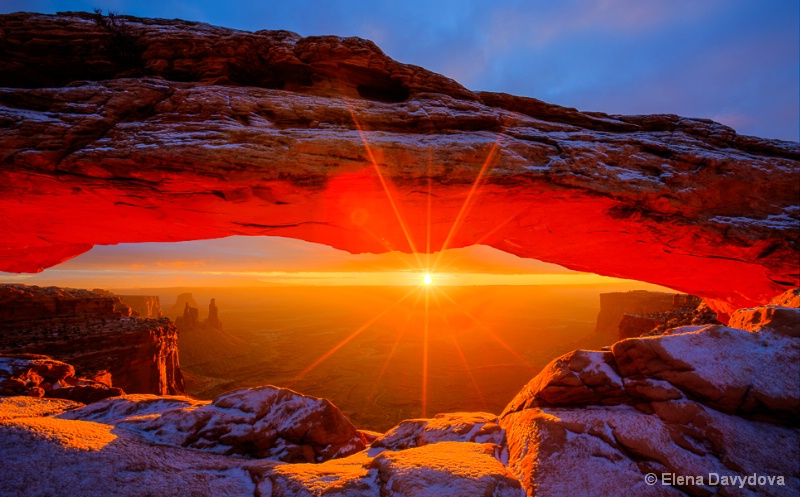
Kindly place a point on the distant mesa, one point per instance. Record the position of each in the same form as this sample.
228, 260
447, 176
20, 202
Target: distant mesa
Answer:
203, 341
640, 312
182, 301
141, 306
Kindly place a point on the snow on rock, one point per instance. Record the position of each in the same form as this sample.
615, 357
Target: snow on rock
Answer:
693, 401
73, 435
607, 451
129, 407
445, 469
346, 477
726, 368
263, 422
479, 427
45, 456
784, 320
578, 378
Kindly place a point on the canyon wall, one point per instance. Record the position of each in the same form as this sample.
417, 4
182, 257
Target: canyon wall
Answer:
614, 305
190, 131
636, 313
143, 306
86, 330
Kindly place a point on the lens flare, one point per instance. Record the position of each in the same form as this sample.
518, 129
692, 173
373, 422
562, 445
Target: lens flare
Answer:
427, 279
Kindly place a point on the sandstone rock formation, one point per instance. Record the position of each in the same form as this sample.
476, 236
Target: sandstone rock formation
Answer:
614, 305
698, 400
478, 427
204, 341
143, 306
686, 310
85, 330
782, 314
41, 376
191, 131
265, 422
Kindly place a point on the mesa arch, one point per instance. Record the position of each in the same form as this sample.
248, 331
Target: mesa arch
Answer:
161, 130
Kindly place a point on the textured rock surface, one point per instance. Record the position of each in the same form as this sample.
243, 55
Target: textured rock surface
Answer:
41, 376
686, 310
45, 455
265, 422
84, 329
190, 131
782, 315
143, 306
607, 451
694, 401
479, 427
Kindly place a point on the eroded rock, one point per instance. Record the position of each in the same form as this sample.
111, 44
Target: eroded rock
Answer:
475, 427
264, 422
87, 330
40, 376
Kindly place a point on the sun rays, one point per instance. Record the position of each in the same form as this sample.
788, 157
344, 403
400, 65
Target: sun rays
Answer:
433, 299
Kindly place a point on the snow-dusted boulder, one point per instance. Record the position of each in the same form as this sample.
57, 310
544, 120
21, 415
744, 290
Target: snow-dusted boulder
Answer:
609, 451
479, 427
264, 422
701, 401
726, 368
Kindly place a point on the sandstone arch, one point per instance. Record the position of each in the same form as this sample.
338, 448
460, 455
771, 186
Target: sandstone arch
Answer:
215, 132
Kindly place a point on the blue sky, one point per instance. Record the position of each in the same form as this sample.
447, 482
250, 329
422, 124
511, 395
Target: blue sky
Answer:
734, 61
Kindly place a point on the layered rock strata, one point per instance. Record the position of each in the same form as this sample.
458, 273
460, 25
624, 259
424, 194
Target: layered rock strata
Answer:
85, 330
192, 131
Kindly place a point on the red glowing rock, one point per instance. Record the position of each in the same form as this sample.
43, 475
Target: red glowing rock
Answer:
160, 130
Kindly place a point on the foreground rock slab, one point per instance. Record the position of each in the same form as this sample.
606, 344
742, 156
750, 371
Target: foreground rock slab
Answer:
264, 422
713, 403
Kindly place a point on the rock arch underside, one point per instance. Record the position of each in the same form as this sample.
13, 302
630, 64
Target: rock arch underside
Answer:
152, 130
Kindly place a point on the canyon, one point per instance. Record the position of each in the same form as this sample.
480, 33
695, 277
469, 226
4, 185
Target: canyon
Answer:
122, 129
93, 332
592, 422
191, 131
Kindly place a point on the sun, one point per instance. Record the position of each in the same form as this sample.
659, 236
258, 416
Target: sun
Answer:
427, 279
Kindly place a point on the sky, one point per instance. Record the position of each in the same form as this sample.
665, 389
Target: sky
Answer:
733, 61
